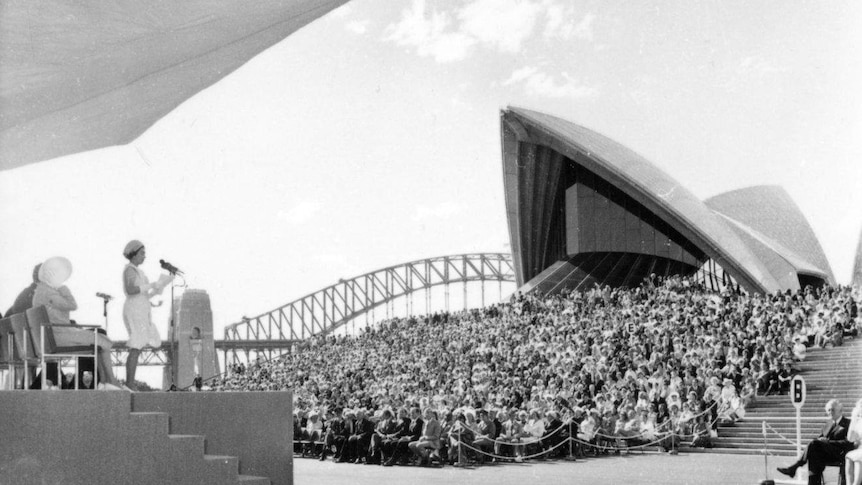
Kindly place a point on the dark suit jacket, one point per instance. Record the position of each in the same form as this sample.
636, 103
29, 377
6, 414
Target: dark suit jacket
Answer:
403, 428
363, 428
836, 434
414, 431
336, 427
386, 427
349, 426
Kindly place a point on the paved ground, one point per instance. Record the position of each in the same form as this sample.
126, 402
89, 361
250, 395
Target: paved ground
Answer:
699, 469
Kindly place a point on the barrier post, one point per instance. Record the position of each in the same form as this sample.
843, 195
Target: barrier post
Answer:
673, 439
797, 397
571, 440
765, 463
460, 449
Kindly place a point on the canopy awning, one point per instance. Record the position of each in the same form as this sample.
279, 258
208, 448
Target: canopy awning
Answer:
86, 74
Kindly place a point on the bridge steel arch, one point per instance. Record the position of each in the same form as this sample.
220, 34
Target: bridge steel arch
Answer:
324, 311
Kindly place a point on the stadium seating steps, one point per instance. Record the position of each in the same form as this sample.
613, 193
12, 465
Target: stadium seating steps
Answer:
829, 374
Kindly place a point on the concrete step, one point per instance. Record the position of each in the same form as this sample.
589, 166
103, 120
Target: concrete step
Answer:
732, 433
149, 424
757, 446
758, 431
775, 424
190, 445
222, 467
778, 412
829, 374
759, 439
736, 451
253, 480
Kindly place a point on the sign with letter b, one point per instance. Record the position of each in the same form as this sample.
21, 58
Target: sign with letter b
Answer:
797, 392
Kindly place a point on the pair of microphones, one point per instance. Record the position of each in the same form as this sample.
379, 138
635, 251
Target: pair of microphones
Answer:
165, 266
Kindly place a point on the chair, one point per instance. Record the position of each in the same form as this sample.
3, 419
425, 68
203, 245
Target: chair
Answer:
50, 350
23, 353
8, 355
840, 464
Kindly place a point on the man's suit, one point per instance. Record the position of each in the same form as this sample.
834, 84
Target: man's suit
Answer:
828, 449
388, 445
357, 444
414, 432
384, 428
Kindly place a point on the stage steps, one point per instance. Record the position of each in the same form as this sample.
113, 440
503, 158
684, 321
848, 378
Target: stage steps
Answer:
829, 374
217, 468
94, 437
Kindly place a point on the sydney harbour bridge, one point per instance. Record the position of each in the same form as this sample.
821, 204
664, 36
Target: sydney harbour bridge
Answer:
362, 299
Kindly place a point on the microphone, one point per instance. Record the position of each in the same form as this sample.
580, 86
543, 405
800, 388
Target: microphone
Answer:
169, 267
105, 296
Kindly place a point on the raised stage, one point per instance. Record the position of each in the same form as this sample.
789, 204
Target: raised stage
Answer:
111, 437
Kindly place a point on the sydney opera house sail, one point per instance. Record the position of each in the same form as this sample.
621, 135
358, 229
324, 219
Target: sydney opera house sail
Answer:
585, 210
76, 76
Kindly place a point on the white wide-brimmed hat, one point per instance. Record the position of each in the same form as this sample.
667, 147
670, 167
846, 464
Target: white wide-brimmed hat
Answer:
55, 271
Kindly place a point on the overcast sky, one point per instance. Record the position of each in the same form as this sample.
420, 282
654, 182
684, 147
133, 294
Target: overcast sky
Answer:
371, 138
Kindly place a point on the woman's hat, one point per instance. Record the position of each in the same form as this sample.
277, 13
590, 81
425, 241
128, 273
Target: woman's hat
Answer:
132, 247
55, 271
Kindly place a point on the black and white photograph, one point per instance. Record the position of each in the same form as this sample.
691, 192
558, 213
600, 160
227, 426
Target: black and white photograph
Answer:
452, 241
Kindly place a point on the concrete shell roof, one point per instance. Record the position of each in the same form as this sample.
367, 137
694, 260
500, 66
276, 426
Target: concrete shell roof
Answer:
768, 213
652, 187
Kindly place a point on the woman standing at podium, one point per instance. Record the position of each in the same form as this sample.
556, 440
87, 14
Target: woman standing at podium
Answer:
137, 308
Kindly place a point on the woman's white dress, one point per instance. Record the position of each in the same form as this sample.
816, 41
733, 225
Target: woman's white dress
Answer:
137, 315
855, 436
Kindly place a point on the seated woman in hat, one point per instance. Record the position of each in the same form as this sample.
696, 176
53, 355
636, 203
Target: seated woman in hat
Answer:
59, 302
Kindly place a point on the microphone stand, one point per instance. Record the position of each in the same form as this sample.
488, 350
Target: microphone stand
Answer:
172, 352
105, 312
172, 335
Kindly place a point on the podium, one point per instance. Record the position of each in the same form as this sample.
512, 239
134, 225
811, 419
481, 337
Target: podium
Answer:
192, 345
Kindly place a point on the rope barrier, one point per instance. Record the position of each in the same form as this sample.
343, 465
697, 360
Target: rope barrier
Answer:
662, 438
668, 422
779, 434
525, 457
546, 435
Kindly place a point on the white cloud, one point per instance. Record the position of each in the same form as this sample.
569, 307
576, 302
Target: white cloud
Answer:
429, 35
357, 26
443, 210
584, 29
502, 24
561, 23
300, 213
538, 83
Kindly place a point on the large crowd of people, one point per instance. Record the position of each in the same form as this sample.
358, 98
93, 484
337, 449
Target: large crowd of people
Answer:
657, 364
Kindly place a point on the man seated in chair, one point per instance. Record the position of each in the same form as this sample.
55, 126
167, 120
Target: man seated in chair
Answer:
59, 302
828, 449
